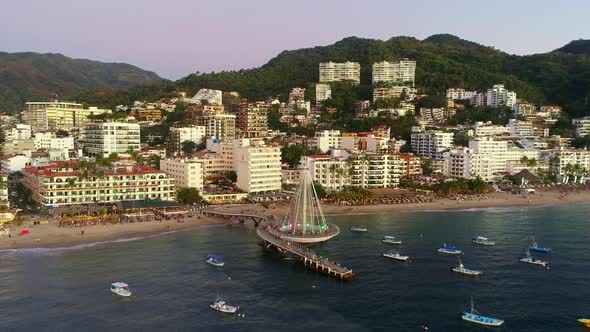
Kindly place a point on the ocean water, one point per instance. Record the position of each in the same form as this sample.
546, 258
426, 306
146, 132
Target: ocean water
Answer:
68, 289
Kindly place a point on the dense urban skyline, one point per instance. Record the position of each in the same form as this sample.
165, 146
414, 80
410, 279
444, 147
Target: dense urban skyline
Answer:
197, 35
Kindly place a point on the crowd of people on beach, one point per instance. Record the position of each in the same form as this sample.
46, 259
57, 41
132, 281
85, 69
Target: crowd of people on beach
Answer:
177, 214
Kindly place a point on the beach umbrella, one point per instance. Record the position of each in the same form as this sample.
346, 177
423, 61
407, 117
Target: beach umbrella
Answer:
24, 232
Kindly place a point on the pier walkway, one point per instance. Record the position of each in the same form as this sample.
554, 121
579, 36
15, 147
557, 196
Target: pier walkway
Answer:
308, 257
256, 219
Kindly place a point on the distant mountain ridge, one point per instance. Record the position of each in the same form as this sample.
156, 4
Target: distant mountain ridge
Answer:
32, 76
560, 77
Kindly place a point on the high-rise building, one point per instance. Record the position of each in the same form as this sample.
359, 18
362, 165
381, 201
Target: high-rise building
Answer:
58, 115
187, 173
499, 96
253, 120
328, 139
431, 144
340, 71
401, 72
258, 166
220, 126
331, 173
102, 139
179, 135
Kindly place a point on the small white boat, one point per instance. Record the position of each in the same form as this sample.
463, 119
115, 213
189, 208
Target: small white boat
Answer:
474, 317
391, 240
461, 269
483, 241
214, 260
220, 305
358, 228
120, 288
394, 254
449, 250
530, 260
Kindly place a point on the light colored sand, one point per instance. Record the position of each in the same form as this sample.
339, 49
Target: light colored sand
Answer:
49, 236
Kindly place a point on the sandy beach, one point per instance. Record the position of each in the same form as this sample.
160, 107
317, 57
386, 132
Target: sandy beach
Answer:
52, 236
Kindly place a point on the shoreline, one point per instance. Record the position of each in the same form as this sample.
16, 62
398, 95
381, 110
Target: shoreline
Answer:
50, 236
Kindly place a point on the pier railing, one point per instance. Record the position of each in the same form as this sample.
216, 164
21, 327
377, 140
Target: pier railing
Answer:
309, 258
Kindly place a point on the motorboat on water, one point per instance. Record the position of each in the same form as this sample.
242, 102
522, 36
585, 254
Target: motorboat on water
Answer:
220, 305
120, 288
358, 228
584, 321
394, 254
214, 260
391, 240
530, 260
449, 250
461, 269
535, 247
483, 241
474, 317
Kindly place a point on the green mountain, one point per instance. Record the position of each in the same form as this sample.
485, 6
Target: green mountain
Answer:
580, 46
443, 61
36, 77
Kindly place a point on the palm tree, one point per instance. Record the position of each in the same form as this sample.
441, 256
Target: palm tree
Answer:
364, 161
340, 174
332, 170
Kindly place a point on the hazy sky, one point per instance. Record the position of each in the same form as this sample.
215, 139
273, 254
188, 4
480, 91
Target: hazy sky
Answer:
178, 37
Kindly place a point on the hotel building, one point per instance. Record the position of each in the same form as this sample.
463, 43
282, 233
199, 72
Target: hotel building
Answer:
102, 139
401, 72
61, 184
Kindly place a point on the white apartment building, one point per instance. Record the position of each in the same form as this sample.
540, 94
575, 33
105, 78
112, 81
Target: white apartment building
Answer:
561, 158
492, 152
520, 128
372, 171
499, 96
340, 71
401, 72
213, 97
488, 129
48, 140
102, 139
179, 135
322, 92
19, 132
462, 162
582, 126
258, 166
221, 126
394, 92
430, 144
460, 94
328, 139
187, 173
331, 173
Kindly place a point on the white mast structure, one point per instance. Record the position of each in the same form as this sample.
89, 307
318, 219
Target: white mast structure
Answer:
305, 222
